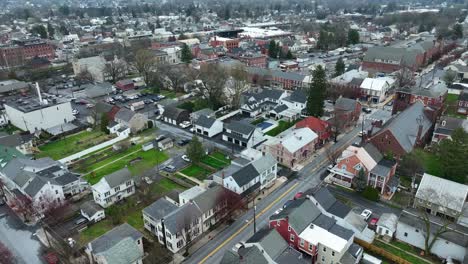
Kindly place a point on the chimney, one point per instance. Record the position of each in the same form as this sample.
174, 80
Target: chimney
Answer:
419, 120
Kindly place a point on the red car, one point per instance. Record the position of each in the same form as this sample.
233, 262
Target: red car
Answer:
373, 223
298, 195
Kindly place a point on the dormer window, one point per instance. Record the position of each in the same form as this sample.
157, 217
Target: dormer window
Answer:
444, 123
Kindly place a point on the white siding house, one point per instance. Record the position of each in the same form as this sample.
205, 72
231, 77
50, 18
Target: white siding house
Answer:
113, 187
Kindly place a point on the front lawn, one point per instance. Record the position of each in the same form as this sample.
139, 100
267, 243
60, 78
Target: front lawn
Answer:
72, 144
430, 161
134, 158
282, 126
196, 172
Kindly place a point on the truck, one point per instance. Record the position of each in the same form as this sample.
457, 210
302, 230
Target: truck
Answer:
137, 105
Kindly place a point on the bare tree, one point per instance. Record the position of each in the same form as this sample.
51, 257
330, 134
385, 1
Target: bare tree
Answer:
332, 155
433, 229
404, 76
116, 69
338, 123
214, 79
6, 257
239, 84
145, 63
54, 211
84, 76
23, 206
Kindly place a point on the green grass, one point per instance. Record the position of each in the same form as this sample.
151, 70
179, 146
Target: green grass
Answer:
282, 126
451, 106
399, 252
135, 219
148, 160
215, 162
72, 144
169, 94
9, 129
430, 161
94, 231
196, 172
221, 156
164, 186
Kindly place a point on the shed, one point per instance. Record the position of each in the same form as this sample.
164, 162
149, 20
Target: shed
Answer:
166, 143
386, 226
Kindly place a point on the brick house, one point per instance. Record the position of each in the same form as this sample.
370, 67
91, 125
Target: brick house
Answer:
391, 59
411, 128
434, 97
228, 43
125, 85
445, 127
462, 103
347, 111
293, 148
320, 127
253, 60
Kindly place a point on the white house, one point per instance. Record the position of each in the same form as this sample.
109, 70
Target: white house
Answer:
242, 134
206, 126
387, 224
454, 243
375, 88
92, 211
113, 187
173, 54
94, 65
118, 129
123, 244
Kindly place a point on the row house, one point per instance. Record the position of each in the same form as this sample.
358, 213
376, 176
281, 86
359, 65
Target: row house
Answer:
287, 80
185, 216
113, 188
253, 60
346, 111
445, 127
433, 96
322, 128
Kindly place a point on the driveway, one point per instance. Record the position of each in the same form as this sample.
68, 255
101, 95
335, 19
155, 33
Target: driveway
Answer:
19, 238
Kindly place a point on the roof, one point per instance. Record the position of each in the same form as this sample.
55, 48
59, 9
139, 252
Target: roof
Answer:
374, 84
90, 208
270, 240
124, 114
34, 186
179, 218
298, 96
314, 123
205, 121
443, 192
123, 252
98, 89
7, 154
250, 255
300, 214
66, 178
240, 127
102, 107
402, 56
12, 85
298, 138
159, 209
245, 175
280, 108
373, 152
383, 168
389, 221
14, 140
345, 104
172, 112
113, 237
401, 129
119, 177
328, 202
208, 199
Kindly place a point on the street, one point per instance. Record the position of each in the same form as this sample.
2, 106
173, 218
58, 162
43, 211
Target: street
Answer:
19, 238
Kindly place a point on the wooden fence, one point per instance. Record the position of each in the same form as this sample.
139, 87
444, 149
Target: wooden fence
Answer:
381, 252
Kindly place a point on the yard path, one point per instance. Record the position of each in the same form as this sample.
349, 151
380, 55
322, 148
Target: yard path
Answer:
191, 178
103, 166
407, 252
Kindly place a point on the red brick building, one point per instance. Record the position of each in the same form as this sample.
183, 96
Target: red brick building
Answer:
253, 60
433, 97
347, 111
22, 52
228, 43
125, 85
320, 127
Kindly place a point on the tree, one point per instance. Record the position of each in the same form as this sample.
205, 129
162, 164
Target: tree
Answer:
370, 193
410, 164
195, 150
104, 123
404, 76
50, 30
289, 55
338, 122
116, 69
65, 10
453, 154
457, 31
83, 77
324, 40
23, 206
340, 67
214, 79
449, 77
186, 54
317, 92
40, 31
332, 155
115, 214
63, 30
272, 49
239, 85
353, 36
6, 256
361, 180
145, 63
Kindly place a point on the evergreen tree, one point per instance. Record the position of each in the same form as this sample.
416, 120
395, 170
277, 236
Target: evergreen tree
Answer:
272, 49
50, 30
361, 180
289, 55
457, 31
353, 36
323, 40
195, 151
339, 67
186, 54
39, 30
453, 156
104, 123
316, 93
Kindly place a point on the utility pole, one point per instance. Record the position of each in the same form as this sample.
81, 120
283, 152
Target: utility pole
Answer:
255, 215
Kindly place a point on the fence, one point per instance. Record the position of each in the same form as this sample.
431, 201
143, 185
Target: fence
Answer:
381, 252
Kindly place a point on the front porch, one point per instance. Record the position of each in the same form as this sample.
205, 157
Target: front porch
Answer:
341, 177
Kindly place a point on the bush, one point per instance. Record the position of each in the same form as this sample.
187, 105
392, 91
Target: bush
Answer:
150, 124
370, 194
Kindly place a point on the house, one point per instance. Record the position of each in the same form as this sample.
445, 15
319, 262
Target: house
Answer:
265, 246
345, 217
255, 104
297, 100
398, 137
174, 115
173, 224
445, 127
102, 108
125, 85
32, 114
123, 244
433, 96
386, 226
462, 102
246, 176
375, 89
293, 148
320, 127
118, 129
411, 229
21, 142
96, 66
166, 143
210, 113
347, 111
113, 188
207, 126
92, 211
241, 134
135, 121
441, 197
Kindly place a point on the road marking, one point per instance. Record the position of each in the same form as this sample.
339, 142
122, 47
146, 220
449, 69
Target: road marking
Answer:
247, 224
265, 209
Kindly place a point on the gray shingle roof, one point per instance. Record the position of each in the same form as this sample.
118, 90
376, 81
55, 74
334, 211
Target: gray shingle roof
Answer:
66, 178
208, 199
182, 216
270, 240
245, 175
205, 122
34, 186
240, 127
329, 202
90, 208
300, 214
402, 55
373, 152
298, 96
114, 236
125, 251
159, 209
383, 168
280, 108
124, 114
172, 112
119, 177
345, 104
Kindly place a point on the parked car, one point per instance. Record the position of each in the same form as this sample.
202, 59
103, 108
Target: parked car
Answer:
185, 124
238, 246
169, 168
183, 142
186, 158
288, 202
373, 223
75, 112
298, 195
366, 110
366, 214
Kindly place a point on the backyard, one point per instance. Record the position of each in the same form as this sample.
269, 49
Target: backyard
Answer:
451, 106
282, 126
196, 172
134, 158
403, 251
430, 162
72, 144
215, 160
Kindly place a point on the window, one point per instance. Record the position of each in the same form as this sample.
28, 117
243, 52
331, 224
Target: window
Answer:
323, 259
310, 247
138, 242
129, 183
405, 234
386, 232
302, 242
289, 229
179, 243
56, 191
324, 249
291, 237
417, 230
333, 253
116, 189
107, 194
